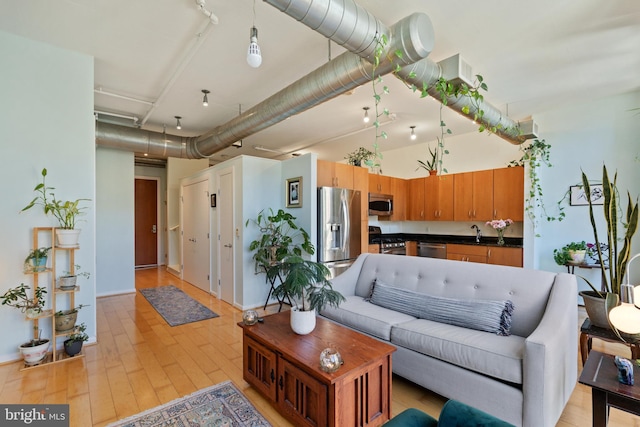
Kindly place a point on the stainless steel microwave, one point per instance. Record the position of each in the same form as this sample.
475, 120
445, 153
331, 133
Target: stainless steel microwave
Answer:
380, 204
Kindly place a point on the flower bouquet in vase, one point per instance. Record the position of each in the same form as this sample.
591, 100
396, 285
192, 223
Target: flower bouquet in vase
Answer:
500, 225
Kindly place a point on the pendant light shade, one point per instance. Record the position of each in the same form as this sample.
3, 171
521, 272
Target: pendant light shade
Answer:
205, 99
254, 58
366, 114
413, 133
626, 317
178, 124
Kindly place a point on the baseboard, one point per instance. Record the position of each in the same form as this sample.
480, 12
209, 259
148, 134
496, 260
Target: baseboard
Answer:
175, 270
114, 293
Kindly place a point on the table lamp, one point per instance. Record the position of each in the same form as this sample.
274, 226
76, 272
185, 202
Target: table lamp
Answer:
626, 317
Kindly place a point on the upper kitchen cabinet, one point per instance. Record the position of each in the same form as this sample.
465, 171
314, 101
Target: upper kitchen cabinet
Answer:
508, 193
332, 174
399, 191
473, 196
380, 184
361, 183
438, 198
415, 199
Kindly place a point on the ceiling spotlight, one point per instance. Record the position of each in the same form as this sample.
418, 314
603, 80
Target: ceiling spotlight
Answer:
366, 114
205, 100
254, 58
413, 132
237, 144
178, 124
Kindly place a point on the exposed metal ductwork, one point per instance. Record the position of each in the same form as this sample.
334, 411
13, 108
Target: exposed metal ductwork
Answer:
345, 23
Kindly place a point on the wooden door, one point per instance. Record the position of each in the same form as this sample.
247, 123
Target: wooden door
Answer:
415, 199
483, 195
508, 193
146, 222
300, 396
226, 250
196, 249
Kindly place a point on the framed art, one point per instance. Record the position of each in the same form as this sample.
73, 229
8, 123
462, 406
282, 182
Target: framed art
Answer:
294, 192
579, 198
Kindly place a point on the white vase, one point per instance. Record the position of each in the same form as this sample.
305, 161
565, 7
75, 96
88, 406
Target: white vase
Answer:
34, 354
302, 322
68, 238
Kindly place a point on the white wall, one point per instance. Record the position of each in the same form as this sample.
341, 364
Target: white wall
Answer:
37, 130
115, 222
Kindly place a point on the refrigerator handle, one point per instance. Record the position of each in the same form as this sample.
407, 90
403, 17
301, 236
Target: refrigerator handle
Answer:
346, 222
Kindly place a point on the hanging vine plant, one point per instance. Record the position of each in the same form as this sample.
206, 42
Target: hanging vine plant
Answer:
535, 155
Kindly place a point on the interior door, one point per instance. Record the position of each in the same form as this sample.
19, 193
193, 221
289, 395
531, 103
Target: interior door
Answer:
226, 258
146, 222
196, 249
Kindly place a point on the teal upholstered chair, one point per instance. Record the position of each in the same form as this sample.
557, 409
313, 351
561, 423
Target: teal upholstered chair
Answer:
453, 414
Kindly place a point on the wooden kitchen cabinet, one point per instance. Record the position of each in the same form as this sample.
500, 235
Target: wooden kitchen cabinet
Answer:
380, 184
508, 193
331, 174
504, 256
469, 253
473, 196
302, 398
415, 199
438, 198
399, 191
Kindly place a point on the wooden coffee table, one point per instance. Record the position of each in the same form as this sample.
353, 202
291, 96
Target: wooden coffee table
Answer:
601, 374
285, 368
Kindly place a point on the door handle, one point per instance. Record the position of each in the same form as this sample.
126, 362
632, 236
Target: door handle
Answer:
153, 229
228, 245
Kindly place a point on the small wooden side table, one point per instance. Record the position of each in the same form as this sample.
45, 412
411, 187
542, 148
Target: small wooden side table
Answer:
589, 331
601, 374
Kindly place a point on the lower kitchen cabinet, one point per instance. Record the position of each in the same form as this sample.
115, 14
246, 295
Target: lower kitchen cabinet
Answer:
498, 255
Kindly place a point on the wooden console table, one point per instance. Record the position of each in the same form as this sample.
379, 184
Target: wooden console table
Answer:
285, 368
601, 374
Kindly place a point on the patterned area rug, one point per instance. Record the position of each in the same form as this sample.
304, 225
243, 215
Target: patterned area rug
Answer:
176, 307
220, 405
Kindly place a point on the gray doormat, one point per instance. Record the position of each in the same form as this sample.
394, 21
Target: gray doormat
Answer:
176, 307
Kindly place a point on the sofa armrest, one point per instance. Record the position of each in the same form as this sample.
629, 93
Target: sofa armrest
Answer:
345, 283
550, 361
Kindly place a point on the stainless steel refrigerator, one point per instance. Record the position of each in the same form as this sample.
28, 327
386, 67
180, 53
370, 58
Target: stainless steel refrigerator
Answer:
338, 228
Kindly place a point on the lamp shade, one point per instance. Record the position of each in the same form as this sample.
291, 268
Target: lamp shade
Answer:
626, 317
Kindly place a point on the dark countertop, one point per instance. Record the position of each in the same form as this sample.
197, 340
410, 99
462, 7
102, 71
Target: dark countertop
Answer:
510, 242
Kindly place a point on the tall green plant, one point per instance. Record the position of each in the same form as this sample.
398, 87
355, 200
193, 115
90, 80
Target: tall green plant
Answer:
617, 259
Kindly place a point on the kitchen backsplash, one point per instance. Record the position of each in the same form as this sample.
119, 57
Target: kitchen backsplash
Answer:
455, 228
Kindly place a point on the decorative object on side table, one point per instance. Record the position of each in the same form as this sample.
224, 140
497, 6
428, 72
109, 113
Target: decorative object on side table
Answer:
250, 317
572, 253
625, 370
500, 225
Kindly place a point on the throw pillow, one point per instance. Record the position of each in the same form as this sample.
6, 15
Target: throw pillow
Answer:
483, 315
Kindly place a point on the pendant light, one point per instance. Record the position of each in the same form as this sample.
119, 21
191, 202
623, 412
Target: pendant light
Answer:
178, 124
366, 114
205, 99
254, 58
413, 133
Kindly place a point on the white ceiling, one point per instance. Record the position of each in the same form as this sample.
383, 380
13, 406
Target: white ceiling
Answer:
534, 56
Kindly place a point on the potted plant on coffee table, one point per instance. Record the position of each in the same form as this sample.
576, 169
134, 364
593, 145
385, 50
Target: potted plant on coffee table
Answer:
65, 211
73, 344
598, 302
306, 283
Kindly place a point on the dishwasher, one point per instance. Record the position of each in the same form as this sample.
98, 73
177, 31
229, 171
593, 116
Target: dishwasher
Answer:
432, 250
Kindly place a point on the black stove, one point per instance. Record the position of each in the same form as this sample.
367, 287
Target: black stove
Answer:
386, 242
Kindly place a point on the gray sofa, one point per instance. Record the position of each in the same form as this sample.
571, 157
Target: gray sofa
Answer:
525, 378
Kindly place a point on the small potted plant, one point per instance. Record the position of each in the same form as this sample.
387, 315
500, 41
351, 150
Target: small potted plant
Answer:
360, 156
17, 297
66, 319
431, 165
572, 253
34, 351
305, 282
73, 344
68, 280
36, 261
66, 212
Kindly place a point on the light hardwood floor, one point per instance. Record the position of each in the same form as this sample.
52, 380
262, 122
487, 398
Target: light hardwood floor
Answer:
140, 362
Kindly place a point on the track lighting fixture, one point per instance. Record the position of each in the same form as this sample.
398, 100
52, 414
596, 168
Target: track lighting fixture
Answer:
205, 100
366, 114
413, 133
178, 124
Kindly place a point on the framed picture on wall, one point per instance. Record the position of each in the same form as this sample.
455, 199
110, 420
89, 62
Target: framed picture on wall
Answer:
579, 198
294, 192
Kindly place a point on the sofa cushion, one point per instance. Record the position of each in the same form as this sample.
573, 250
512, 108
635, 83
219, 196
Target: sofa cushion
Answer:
483, 315
365, 317
489, 354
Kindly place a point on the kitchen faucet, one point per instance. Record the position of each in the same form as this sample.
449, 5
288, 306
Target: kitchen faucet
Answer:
478, 232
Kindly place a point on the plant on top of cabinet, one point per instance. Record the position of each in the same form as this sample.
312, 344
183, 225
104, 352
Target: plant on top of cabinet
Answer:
36, 261
17, 297
361, 156
431, 165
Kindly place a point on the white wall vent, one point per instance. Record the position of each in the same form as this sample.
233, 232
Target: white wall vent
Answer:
457, 70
